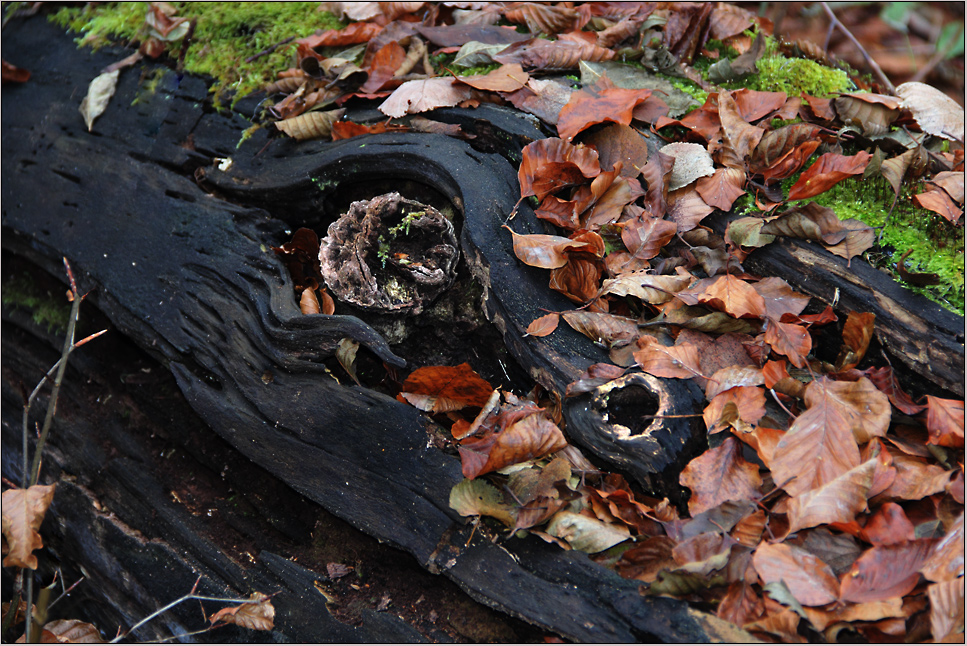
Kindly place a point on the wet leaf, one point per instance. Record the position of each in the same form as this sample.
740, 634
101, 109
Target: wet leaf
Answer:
790, 340
99, 94
549, 165
480, 498
13, 74
807, 577
542, 250
837, 501
718, 475
590, 106
886, 571
644, 235
586, 534
544, 325
829, 170
23, 513
418, 96
728, 294
935, 112
678, 361
256, 614
439, 389
945, 421
310, 125
722, 188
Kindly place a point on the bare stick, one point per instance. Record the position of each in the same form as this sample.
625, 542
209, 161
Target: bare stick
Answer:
270, 49
869, 60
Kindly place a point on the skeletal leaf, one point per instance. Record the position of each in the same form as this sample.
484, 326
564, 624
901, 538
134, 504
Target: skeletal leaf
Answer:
99, 94
310, 125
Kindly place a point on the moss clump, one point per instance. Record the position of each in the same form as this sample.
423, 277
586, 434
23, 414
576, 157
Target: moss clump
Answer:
795, 75
49, 310
226, 33
938, 246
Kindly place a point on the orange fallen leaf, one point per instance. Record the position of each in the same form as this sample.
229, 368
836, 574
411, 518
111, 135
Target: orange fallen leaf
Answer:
809, 579
439, 389
945, 421
718, 475
826, 172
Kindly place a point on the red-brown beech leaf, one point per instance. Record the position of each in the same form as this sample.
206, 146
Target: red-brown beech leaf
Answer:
780, 298
884, 379
544, 19
739, 137
728, 294
355, 33
718, 475
529, 438
644, 235
14, 74
947, 611
383, 66
946, 560
819, 446
916, 478
587, 107
859, 237
837, 501
723, 188
808, 578
548, 165
617, 143
945, 421
826, 172
677, 361
790, 340
885, 571
543, 325
741, 604
439, 389
857, 334
730, 377
538, 53
506, 78
580, 280
23, 513
811, 222
939, 202
866, 409
542, 250
888, 525
686, 208
750, 406
420, 96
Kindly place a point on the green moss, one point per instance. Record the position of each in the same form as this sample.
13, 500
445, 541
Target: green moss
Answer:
49, 310
938, 246
795, 75
226, 34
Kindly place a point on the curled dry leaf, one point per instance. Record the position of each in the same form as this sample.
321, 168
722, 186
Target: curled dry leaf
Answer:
310, 125
256, 614
480, 498
728, 294
99, 94
529, 438
810, 222
586, 534
546, 55
935, 112
23, 513
542, 250
644, 235
857, 334
826, 172
588, 107
616, 144
70, 631
308, 303
940, 203
548, 165
439, 389
650, 288
739, 137
606, 329
414, 97
871, 113
718, 475
506, 78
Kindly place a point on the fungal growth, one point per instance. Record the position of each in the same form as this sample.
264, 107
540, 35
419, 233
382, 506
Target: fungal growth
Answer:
389, 254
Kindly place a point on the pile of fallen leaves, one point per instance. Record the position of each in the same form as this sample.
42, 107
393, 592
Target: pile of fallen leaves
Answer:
831, 500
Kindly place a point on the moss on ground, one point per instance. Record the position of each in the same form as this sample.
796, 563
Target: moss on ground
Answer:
47, 309
226, 34
938, 246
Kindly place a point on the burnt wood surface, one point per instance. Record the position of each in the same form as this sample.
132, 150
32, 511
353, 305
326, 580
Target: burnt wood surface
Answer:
189, 277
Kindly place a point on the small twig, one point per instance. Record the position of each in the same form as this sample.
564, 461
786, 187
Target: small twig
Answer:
270, 49
869, 59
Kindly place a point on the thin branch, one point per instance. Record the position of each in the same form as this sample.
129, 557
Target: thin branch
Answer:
869, 59
270, 49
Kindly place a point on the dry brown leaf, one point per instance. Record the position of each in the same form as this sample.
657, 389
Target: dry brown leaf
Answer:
838, 501
780, 298
602, 328
70, 631
935, 112
731, 377
99, 94
588, 107
722, 188
811, 222
790, 340
718, 475
857, 334
947, 611
650, 288
871, 611
945, 421
529, 438
728, 294
616, 144
544, 325
886, 571
546, 55
644, 235
749, 403
548, 165
506, 78
418, 96
23, 513
940, 203
255, 614
679, 361
739, 137
542, 19
859, 238
829, 170
946, 561
808, 578
686, 208
542, 250
310, 125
